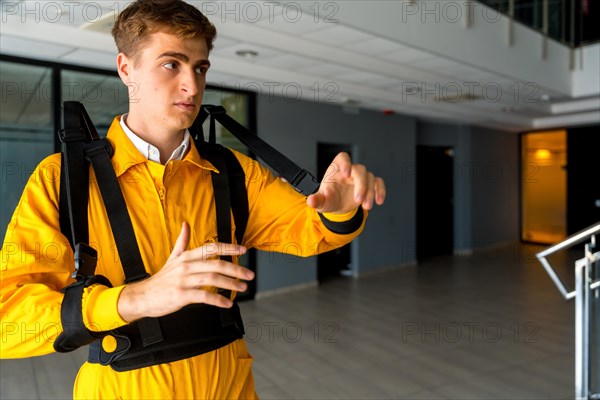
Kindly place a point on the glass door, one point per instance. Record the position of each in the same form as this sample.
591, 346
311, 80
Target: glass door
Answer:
544, 187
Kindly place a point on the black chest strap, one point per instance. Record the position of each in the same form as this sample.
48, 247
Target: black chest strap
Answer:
191, 331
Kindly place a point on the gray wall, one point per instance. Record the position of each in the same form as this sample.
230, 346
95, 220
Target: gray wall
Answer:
494, 187
485, 189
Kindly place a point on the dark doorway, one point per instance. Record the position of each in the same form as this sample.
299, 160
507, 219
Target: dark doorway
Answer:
435, 209
335, 262
583, 173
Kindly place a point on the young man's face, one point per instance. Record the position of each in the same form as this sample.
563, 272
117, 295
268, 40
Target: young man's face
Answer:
166, 82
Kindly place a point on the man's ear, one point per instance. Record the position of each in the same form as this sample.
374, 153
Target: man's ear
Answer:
124, 65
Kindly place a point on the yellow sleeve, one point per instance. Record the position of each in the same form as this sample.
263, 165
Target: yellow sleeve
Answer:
281, 221
100, 312
36, 263
340, 217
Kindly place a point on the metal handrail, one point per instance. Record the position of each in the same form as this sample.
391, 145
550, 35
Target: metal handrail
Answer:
568, 242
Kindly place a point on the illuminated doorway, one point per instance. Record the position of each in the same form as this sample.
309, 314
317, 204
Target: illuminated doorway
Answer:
544, 186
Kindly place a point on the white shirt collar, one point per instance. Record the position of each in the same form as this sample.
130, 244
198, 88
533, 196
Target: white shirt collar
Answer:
151, 152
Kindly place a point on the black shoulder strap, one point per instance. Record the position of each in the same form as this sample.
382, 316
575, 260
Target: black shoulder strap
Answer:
74, 180
74, 176
64, 213
238, 194
230, 185
82, 146
99, 153
224, 181
300, 179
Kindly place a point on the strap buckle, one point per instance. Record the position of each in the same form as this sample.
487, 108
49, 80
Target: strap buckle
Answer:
86, 258
96, 146
98, 354
305, 183
69, 135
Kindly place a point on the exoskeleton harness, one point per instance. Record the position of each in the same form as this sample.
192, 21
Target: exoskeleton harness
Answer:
196, 328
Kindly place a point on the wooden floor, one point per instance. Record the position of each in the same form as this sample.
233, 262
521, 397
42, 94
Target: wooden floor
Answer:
486, 326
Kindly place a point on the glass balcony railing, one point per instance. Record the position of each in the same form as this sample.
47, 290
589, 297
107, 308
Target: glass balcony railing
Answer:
571, 22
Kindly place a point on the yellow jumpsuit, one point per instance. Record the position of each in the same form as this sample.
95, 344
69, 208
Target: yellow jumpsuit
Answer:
37, 262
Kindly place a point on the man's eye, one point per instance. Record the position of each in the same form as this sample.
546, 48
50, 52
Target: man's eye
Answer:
201, 70
170, 65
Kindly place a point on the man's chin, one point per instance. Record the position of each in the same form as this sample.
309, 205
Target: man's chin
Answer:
186, 119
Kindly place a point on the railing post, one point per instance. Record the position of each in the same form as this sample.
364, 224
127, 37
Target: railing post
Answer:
545, 29
572, 37
469, 13
582, 360
511, 21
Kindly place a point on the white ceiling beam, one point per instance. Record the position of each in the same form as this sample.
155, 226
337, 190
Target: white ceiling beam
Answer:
591, 117
576, 106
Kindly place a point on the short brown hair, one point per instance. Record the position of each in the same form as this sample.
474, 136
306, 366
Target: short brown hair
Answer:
143, 17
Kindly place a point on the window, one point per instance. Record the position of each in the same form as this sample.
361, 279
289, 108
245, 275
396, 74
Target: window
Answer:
238, 107
26, 130
104, 96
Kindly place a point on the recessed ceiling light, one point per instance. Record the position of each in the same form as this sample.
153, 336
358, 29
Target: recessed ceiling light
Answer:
247, 53
544, 97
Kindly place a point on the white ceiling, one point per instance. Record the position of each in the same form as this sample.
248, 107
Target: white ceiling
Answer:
315, 57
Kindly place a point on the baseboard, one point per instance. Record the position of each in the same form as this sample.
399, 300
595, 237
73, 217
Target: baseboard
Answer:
463, 252
480, 249
385, 269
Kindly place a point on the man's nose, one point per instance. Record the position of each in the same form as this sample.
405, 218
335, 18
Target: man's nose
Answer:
190, 83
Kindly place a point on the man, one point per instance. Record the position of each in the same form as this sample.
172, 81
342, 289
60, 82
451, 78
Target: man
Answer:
163, 58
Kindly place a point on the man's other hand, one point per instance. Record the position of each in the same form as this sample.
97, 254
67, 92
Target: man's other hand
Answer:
184, 280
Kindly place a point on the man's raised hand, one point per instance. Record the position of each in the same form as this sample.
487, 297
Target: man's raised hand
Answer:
346, 186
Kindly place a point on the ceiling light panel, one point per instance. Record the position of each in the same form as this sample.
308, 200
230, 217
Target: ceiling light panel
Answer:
375, 46
337, 35
327, 69
468, 73
365, 77
290, 62
304, 25
439, 65
407, 56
